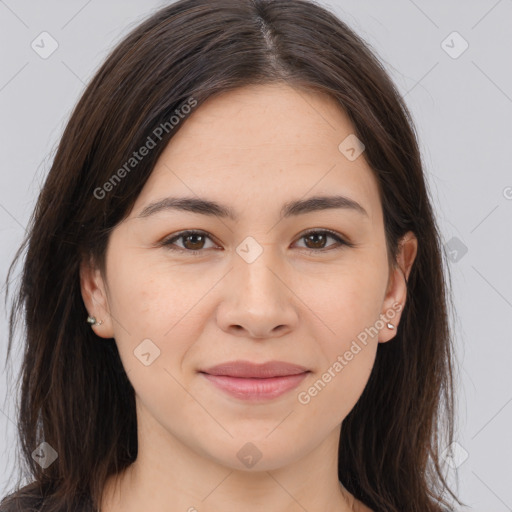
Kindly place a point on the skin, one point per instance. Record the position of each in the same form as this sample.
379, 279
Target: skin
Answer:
253, 149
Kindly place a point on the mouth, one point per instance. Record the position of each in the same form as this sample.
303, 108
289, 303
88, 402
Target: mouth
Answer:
256, 382
256, 388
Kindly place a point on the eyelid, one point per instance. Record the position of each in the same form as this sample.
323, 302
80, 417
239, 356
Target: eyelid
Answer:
168, 241
341, 240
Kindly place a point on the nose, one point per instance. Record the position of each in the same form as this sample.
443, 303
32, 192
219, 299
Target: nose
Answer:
257, 302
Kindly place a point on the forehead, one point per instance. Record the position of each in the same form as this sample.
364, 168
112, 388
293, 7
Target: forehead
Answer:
262, 145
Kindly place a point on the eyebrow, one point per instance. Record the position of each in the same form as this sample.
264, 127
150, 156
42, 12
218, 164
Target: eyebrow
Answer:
213, 208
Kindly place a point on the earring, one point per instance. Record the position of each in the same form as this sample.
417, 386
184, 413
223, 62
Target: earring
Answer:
92, 320
390, 326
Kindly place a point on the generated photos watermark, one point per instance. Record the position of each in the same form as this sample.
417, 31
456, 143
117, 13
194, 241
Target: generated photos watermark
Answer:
151, 142
304, 397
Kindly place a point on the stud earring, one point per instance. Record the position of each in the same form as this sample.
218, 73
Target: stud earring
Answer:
390, 326
92, 320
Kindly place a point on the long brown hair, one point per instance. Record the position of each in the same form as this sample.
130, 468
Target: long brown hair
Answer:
75, 395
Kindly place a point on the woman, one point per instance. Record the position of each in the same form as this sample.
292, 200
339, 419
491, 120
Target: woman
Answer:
233, 288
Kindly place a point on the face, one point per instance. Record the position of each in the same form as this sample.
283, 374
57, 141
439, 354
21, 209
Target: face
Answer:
307, 286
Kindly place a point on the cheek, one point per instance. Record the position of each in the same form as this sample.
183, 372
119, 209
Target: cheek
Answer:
348, 305
150, 301
347, 359
345, 300
148, 294
348, 371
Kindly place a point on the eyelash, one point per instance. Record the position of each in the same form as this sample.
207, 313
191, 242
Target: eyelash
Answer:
168, 243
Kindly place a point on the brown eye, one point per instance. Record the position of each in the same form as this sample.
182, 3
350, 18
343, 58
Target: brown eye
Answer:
193, 242
316, 241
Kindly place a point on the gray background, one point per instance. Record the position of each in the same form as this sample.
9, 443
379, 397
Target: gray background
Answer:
462, 108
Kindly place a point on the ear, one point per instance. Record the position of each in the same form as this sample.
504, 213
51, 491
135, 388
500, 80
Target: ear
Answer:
95, 298
396, 293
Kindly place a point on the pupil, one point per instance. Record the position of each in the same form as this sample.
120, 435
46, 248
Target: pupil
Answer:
194, 244
317, 244
311, 238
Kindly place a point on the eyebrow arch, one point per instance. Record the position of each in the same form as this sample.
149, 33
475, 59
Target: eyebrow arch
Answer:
289, 209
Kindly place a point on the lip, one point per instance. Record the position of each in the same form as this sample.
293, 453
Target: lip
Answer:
248, 369
256, 389
250, 381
